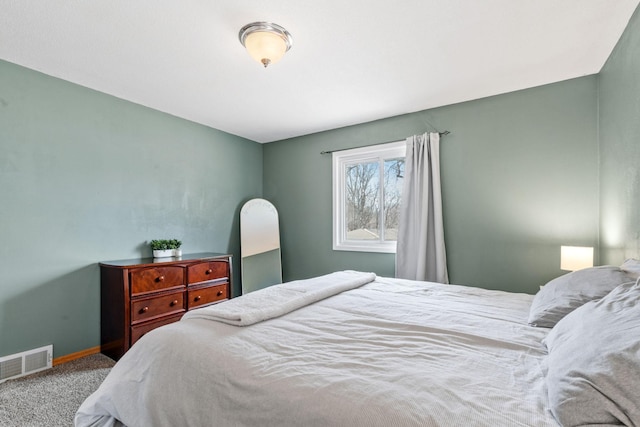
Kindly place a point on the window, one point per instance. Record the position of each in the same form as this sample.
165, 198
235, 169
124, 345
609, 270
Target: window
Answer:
367, 186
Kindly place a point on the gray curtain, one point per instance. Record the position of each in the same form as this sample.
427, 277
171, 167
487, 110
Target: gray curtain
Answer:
420, 253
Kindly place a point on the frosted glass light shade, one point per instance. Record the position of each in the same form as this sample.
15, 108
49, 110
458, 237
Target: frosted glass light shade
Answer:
265, 47
574, 258
265, 42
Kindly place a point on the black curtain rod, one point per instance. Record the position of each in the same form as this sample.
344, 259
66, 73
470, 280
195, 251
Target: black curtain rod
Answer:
446, 132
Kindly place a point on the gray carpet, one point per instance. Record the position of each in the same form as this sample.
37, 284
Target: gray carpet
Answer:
50, 398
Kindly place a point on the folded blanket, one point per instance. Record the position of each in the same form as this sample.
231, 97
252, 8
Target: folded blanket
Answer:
281, 299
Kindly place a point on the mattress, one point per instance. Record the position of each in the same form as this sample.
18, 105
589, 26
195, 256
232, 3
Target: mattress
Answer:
390, 352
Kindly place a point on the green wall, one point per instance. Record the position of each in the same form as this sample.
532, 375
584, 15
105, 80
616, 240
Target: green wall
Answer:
86, 177
519, 177
619, 134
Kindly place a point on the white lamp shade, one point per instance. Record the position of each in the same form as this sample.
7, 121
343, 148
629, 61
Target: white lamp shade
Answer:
263, 45
574, 258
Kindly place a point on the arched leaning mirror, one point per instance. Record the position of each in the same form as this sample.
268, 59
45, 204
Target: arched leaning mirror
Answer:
259, 245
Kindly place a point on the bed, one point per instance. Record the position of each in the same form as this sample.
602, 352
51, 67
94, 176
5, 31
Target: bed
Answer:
344, 349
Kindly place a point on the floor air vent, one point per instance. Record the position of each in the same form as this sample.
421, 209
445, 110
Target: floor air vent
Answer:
25, 363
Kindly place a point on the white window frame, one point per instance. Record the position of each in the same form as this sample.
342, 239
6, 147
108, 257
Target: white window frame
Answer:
341, 159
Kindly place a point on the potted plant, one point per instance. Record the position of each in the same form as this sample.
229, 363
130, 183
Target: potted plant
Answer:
166, 248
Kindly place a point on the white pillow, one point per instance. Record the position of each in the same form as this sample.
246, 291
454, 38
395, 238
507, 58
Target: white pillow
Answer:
631, 266
564, 294
593, 373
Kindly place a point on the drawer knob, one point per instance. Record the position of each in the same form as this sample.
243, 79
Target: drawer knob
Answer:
174, 302
219, 293
209, 271
160, 279
144, 309
197, 298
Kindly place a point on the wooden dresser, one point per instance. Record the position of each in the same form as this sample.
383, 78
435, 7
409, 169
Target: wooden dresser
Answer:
139, 295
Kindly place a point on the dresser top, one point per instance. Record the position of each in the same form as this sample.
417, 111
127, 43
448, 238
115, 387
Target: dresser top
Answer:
137, 262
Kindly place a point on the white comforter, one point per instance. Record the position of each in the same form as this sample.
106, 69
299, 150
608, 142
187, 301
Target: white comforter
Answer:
389, 353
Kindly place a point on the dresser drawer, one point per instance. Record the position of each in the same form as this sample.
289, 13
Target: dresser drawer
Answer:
139, 330
207, 270
207, 295
141, 294
147, 308
152, 279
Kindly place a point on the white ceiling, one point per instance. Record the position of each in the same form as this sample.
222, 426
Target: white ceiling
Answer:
352, 61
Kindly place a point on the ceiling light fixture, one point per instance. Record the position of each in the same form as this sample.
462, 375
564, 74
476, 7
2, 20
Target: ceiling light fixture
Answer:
266, 42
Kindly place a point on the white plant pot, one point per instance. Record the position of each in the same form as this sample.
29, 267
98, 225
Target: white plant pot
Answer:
177, 252
163, 253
